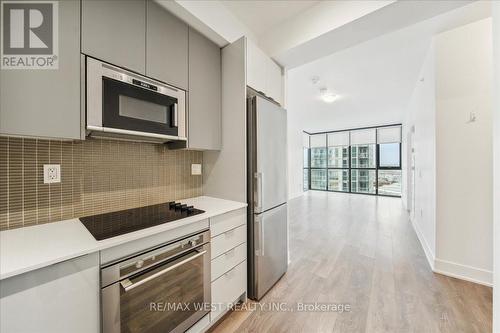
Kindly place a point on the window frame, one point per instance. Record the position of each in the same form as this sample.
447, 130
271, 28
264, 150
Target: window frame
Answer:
350, 168
308, 168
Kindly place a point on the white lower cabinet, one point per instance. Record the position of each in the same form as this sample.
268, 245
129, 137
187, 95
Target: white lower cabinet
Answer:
229, 265
228, 240
227, 260
60, 298
222, 223
227, 289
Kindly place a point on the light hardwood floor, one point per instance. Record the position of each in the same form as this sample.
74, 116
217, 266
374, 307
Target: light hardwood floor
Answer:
362, 250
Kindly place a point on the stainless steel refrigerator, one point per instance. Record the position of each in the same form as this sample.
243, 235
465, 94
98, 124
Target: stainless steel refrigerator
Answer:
267, 195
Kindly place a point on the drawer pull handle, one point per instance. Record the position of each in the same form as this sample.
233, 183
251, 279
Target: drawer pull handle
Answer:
230, 274
229, 233
230, 253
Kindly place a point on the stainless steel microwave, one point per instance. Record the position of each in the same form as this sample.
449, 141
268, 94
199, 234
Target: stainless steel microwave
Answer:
125, 105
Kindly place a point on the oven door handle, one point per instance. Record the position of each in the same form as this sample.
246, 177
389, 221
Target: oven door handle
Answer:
128, 285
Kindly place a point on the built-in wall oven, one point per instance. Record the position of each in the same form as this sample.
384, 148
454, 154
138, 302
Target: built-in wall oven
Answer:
166, 289
126, 105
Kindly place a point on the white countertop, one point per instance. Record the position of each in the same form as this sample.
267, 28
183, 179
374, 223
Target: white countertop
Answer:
26, 249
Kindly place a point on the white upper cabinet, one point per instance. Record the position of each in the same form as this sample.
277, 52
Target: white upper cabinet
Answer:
256, 67
274, 81
263, 74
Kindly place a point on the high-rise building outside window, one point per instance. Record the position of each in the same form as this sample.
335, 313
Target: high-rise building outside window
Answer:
364, 160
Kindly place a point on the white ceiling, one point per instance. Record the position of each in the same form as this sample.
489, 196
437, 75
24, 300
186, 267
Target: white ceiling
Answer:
375, 79
348, 24
261, 16
295, 32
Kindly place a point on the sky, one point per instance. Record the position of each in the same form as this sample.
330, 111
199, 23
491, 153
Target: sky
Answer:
389, 154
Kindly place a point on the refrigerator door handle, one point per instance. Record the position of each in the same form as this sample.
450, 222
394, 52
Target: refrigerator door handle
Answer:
260, 251
258, 190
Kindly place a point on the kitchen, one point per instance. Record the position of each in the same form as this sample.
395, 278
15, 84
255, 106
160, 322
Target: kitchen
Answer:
123, 191
248, 166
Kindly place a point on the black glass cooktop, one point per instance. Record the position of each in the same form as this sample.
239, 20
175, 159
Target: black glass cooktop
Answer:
109, 225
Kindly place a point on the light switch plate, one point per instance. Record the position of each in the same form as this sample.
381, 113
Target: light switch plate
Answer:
195, 169
51, 173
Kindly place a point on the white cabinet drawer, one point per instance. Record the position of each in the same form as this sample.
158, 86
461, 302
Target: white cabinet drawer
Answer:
228, 221
228, 288
228, 260
226, 241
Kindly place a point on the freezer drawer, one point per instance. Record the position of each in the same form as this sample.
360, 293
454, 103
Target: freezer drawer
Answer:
271, 255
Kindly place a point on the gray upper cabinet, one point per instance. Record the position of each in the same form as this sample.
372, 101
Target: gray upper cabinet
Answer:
166, 46
46, 102
115, 31
204, 127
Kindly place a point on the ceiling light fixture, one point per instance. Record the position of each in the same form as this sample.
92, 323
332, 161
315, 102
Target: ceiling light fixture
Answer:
327, 96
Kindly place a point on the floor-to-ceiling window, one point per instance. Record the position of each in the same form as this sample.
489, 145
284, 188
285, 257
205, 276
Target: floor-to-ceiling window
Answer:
305, 148
318, 162
338, 161
389, 160
364, 160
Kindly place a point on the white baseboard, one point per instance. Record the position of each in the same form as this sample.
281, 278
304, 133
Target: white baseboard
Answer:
295, 195
463, 272
453, 269
429, 254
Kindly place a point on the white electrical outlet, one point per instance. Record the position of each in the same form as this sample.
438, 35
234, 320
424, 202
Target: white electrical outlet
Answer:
195, 169
51, 173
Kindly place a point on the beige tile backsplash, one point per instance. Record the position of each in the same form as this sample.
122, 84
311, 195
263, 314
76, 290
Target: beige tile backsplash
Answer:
97, 176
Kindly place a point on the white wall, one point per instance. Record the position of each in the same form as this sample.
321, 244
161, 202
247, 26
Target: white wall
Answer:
421, 115
496, 165
295, 155
464, 205
224, 172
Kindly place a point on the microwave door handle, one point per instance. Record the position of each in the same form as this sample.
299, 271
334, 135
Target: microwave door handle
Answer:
128, 285
175, 116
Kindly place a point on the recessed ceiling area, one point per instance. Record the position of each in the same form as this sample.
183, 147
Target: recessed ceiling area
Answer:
261, 16
374, 80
